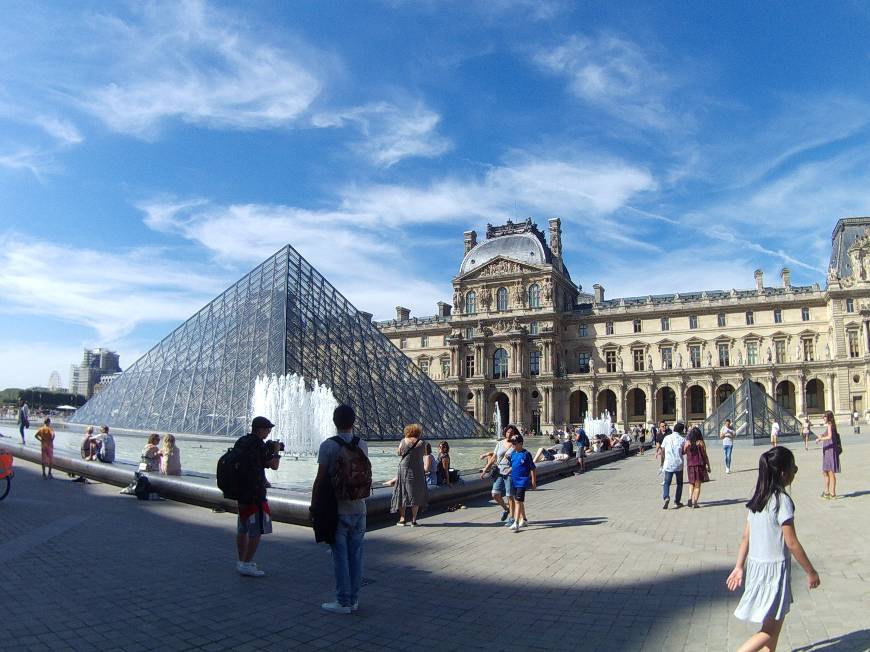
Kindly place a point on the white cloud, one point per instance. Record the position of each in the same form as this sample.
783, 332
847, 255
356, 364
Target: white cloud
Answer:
109, 292
189, 61
32, 160
390, 132
63, 131
617, 76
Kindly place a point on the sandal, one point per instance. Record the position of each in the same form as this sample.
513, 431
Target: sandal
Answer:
826, 496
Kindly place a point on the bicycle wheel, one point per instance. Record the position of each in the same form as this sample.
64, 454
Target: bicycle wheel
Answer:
5, 486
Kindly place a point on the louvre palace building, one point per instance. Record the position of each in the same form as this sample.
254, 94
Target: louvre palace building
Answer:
521, 334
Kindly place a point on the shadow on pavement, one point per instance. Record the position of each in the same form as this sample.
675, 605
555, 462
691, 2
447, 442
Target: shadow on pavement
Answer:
853, 641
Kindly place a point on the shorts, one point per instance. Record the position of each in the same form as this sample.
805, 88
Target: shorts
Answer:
582, 453
549, 455
254, 520
501, 486
519, 494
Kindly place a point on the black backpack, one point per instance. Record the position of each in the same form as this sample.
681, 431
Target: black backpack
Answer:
142, 490
235, 475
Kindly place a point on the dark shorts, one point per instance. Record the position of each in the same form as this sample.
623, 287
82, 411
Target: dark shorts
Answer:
549, 455
519, 494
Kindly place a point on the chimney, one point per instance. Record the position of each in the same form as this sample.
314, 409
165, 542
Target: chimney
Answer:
759, 281
599, 293
444, 309
470, 240
556, 236
402, 314
366, 316
786, 278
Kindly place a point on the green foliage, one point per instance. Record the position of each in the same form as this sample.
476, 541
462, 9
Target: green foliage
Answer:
37, 398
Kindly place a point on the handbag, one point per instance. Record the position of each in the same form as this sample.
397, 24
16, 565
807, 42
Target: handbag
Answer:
143, 466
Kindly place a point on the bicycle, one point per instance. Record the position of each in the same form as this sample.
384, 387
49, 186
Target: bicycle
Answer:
6, 473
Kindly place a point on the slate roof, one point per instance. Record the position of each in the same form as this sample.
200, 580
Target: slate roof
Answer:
845, 233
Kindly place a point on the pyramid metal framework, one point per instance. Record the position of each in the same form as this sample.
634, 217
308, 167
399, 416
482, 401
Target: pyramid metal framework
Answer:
283, 317
752, 412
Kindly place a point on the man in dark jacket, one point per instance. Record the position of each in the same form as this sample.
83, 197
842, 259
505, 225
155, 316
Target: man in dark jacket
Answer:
254, 516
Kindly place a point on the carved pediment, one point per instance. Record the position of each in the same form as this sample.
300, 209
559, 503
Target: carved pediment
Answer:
499, 266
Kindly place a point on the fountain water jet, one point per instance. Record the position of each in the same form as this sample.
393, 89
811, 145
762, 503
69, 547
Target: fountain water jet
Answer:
302, 417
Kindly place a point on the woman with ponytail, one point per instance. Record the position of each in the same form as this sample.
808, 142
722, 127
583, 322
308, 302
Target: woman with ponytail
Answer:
764, 558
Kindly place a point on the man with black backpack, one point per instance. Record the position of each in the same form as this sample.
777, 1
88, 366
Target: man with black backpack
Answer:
343, 482
254, 455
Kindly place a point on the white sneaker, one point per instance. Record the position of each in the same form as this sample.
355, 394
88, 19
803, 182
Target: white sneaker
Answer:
727, 470
354, 606
524, 523
335, 608
516, 526
249, 569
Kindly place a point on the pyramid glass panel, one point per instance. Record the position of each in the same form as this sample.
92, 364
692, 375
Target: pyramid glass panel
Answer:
752, 412
281, 318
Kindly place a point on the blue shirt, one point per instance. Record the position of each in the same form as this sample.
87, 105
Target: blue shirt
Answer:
521, 468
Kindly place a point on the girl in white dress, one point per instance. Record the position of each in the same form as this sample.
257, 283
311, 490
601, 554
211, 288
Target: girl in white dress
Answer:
769, 540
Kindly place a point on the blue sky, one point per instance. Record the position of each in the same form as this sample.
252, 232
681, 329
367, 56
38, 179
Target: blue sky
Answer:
151, 153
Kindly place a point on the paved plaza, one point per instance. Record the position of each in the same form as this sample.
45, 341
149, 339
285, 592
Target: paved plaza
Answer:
601, 567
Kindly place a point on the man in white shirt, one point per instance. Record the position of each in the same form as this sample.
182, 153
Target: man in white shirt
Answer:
672, 465
726, 434
774, 434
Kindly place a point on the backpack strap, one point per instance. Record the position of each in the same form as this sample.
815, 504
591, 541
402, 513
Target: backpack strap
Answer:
340, 440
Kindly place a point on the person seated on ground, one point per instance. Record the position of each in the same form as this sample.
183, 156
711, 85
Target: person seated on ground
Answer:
430, 466
625, 442
106, 447
560, 451
150, 459
443, 469
87, 446
604, 443
170, 457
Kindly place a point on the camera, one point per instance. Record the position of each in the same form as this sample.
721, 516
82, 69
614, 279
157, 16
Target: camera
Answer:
275, 446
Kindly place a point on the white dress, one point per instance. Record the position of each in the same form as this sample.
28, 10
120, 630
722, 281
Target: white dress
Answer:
767, 576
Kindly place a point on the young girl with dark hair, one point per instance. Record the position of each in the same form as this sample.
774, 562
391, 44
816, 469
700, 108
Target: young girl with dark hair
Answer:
697, 464
769, 541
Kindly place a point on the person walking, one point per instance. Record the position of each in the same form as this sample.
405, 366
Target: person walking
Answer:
410, 490
344, 476
806, 431
764, 558
255, 519
832, 447
523, 476
23, 419
726, 434
672, 465
501, 479
774, 434
45, 436
697, 464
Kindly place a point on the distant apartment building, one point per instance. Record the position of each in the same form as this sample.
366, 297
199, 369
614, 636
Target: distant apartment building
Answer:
95, 364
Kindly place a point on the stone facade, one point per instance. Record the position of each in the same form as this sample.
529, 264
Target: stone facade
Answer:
522, 334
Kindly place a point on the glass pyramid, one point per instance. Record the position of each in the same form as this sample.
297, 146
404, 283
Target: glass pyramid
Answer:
281, 318
752, 412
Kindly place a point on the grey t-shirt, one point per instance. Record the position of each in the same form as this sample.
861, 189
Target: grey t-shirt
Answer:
328, 456
503, 461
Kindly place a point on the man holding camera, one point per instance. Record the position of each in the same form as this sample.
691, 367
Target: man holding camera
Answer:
254, 516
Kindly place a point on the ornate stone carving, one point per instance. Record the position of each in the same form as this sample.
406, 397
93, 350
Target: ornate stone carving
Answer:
501, 268
457, 300
485, 298
548, 290
520, 294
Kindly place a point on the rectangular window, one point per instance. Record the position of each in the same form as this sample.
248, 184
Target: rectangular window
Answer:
583, 331
750, 318
469, 333
777, 315
805, 314
637, 357
608, 328
533, 328
695, 356
424, 341
854, 348
469, 366
809, 350
667, 358
724, 360
636, 325
752, 353
850, 305
445, 368
779, 351
535, 363
610, 361
720, 320
666, 323
696, 401
424, 366
403, 343
693, 322
583, 362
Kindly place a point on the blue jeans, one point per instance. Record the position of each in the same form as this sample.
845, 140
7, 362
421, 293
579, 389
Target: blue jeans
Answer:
666, 487
21, 430
347, 555
727, 450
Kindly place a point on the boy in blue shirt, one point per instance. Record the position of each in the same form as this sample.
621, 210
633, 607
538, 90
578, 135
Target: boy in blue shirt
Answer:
522, 477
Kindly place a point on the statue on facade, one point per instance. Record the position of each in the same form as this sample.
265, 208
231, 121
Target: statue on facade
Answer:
548, 290
486, 298
797, 352
520, 294
679, 360
709, 359
827, 351
740, 358
591, 365
457, 300
769, 356
619, 362
649, 361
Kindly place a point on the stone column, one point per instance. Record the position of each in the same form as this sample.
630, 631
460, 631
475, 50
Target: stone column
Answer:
681, 401
546, 415
622, 414
801, 396
515, 406
830, 390
711, 393
650, 403
479, 361
479, 412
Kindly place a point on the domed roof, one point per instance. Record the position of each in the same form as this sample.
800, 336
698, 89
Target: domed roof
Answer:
521, 247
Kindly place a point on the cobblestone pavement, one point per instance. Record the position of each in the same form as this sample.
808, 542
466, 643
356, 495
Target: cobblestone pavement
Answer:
601, 567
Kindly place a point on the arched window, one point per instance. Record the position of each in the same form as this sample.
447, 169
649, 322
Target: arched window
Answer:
500, 363
534, 296
470, 303
501, 299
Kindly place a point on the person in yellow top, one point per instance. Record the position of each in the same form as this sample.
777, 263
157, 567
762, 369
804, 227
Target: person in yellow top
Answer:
45, 435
